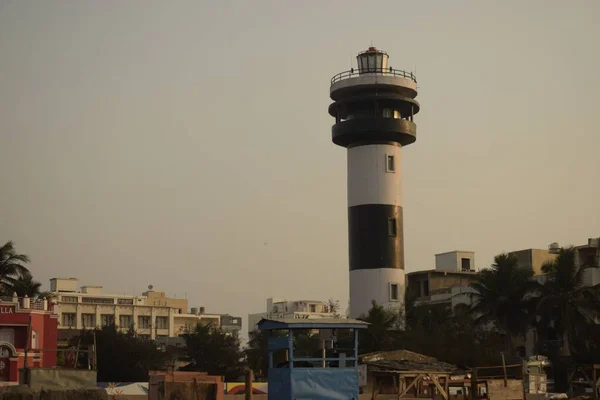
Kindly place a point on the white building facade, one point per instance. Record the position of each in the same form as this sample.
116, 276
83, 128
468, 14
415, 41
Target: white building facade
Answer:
280, 308
151, 315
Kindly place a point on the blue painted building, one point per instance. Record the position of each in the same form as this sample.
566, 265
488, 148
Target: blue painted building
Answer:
330, 375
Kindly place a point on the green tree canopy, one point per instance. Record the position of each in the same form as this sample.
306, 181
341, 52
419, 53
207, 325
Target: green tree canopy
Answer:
566, 302
383, 330
211, 350
25, 285
12, 266
122, 357
502, 296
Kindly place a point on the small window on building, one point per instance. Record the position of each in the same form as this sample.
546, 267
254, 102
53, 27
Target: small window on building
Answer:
465, 264
125, 321
162, 323
425, 288
144, 322
34, 340
394, 292
69, 320
69, 299
313, 308
88, 320
390, 165
107, 319
392, 227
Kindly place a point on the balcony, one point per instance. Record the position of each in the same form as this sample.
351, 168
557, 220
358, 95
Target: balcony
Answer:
352, 73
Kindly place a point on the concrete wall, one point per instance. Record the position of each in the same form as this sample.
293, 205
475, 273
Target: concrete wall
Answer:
533, 259
451, 261
58, 377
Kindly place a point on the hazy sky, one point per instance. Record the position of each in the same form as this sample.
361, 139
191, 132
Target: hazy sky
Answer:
164, 142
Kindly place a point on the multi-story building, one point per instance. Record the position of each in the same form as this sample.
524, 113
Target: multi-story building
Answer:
453, 273
28, 328
279, 308
152, 315
533, 259
231, 324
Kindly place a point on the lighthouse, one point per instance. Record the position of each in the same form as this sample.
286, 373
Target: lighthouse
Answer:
374, 107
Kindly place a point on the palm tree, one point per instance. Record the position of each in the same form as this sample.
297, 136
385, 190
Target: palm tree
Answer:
25, 285
565, 301
11, 267
381, 333
502, 296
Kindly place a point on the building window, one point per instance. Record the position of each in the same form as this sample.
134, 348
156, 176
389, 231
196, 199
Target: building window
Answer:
162, 323
125, 301
313, 308
144, 322
69, 319
391, 113
465, 264
88, 320
107, 319
68, 299
392, 227
425, 288
394, 292
125, 321
98, 300
390, 163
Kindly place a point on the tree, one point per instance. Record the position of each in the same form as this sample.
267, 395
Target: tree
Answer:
566, 302
211, 350
449, 335
502, 296
122, 357
257, 354
333, 306
11, 267
382, 331
24, 285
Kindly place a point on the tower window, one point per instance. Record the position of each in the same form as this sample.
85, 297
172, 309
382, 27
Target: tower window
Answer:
394, 292
392, 227
390, 163
465, 264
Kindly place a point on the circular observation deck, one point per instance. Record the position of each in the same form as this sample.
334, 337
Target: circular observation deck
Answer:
388, 79
373, 103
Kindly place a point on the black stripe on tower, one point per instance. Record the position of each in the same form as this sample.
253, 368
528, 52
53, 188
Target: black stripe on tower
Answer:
376, 237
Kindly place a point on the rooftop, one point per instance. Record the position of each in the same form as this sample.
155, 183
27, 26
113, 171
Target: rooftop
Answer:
436, 271
327, 323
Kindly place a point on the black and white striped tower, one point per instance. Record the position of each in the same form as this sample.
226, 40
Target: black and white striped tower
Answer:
373, 107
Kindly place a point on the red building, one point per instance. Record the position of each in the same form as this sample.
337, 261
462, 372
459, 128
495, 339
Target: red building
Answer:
15, 316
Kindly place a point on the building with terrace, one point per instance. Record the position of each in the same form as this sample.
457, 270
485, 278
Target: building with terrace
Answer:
28, 331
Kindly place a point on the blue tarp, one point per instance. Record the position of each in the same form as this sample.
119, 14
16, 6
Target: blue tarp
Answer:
324, 384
